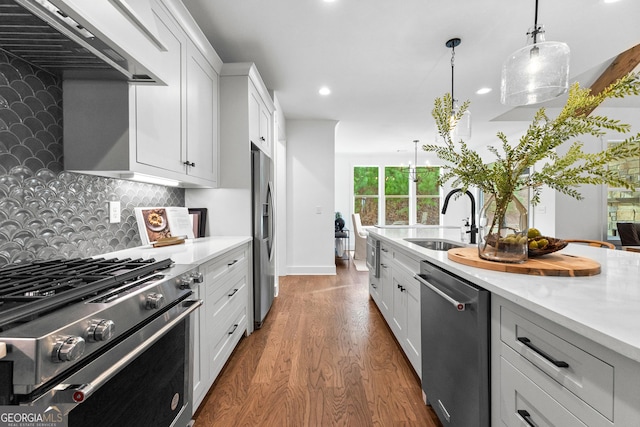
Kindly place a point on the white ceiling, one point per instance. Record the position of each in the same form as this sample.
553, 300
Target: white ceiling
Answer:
386, 61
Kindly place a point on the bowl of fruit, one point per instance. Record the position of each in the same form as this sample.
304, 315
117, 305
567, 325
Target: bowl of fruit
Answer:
542, 245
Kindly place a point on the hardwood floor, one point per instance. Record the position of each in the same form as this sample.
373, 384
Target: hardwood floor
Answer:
324, 357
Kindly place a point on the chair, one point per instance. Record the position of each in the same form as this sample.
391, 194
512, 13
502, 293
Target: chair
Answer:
360, 238
595, 243
629, 232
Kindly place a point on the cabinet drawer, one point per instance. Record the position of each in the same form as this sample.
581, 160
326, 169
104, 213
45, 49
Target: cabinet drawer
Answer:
584, 375
231, 292
222, 347
521, 398
227, 263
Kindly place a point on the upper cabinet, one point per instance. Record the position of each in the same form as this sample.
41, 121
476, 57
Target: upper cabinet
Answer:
160, 131
248, 104
260, 120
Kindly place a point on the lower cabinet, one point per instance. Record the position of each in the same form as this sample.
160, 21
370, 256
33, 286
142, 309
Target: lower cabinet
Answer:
223, 318
397, 295
546, 375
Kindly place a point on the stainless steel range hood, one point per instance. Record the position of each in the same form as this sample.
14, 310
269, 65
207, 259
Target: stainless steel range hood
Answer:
47, 37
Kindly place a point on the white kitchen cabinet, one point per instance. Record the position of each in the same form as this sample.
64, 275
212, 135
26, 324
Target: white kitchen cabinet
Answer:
552, 376
386, 281
397, 295
223, 318
116, 129
260, 121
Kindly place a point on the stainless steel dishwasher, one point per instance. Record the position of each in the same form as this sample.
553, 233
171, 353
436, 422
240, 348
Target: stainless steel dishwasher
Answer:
455, 347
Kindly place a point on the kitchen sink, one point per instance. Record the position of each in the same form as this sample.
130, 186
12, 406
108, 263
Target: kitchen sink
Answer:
435, 244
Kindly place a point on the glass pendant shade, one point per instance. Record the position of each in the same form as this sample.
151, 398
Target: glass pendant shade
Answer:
462, 129
536, 73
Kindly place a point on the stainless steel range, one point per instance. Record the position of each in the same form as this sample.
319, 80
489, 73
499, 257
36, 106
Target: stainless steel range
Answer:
85, 334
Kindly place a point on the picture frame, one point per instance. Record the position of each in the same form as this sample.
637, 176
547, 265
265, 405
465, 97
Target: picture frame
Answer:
199, 221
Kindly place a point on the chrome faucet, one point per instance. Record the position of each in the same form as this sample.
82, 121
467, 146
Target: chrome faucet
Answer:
473, 230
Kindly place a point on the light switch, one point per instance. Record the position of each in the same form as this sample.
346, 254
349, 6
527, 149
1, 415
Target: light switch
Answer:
114, 212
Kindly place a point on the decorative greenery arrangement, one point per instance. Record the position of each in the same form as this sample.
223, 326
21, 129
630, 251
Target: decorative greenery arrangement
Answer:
563, 173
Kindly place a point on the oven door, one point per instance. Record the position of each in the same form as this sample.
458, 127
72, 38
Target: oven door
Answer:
144, 380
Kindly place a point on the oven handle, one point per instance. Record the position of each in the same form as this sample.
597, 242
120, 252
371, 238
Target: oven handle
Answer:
78, 393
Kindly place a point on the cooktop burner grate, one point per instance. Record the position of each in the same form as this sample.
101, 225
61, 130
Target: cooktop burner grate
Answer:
31, 290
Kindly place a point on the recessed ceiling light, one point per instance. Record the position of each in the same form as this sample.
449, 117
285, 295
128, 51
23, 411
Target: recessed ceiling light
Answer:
329, 1
606, 1
324, 91
483, 90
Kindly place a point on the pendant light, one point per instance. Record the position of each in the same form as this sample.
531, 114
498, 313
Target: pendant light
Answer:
462, 129
537, 72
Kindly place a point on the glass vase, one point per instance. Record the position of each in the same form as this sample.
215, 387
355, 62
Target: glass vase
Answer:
503, 230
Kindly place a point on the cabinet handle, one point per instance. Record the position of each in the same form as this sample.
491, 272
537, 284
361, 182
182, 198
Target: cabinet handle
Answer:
262, 138
234, 329
400, 287
526, 416
383, 265
188, 163
232, 293
231, 263
559, 363
384, 250
374, 286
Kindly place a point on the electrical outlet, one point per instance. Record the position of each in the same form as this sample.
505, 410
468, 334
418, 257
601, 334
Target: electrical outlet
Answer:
114, 212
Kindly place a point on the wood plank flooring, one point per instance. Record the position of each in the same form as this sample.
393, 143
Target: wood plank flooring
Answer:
324, 357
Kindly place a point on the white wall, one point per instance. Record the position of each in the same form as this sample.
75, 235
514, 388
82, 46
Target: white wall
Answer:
310, 196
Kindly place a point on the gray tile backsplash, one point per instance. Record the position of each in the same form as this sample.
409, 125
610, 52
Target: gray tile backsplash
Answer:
46, 212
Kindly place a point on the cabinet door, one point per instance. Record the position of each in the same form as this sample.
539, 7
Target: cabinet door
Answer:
200, 351
159, 111
254, 115
413, 338
202, 116
386, 283
399, 323
265, 128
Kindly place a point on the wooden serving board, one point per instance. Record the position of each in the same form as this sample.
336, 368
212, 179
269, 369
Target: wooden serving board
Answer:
555, 264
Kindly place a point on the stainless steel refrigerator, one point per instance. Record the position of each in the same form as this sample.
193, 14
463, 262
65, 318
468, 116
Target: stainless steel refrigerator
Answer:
263, 234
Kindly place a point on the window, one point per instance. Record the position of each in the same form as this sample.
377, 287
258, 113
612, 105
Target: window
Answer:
623, 205
400, 202
365, 192
428, 196
396, 196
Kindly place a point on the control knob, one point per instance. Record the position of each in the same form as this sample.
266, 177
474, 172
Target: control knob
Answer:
100, 330
68, 349
185, 282
197, 277
154, 301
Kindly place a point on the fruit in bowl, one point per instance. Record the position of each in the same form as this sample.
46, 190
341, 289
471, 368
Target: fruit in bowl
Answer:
541, 245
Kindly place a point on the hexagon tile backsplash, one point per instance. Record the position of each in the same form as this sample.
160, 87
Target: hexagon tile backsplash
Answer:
46, 212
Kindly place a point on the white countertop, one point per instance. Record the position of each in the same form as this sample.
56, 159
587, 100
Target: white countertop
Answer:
192, 251
604, 308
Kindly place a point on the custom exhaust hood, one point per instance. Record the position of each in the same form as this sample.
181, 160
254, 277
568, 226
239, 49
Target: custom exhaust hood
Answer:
42, 34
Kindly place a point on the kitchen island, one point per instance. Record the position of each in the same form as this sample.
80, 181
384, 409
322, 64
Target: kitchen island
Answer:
593, 323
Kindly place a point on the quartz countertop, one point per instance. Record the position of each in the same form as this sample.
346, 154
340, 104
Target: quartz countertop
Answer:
192, 251
604, 308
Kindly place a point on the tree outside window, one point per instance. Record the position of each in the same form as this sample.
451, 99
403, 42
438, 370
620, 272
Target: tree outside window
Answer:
365, 191
427, 196
396, 195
